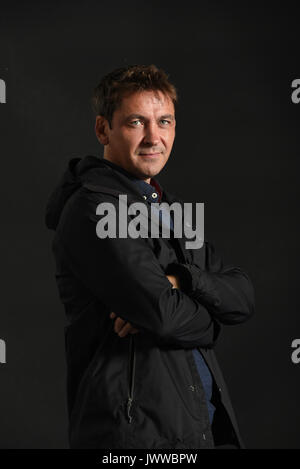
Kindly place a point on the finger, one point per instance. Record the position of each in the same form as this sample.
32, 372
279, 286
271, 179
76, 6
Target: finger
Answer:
119, 323
171, 280
125, 330
112, 315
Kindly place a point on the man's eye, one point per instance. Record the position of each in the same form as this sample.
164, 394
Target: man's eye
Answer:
134, 122
166, 121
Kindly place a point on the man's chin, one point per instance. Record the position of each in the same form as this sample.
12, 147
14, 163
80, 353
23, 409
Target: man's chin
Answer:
150, 172
151, 169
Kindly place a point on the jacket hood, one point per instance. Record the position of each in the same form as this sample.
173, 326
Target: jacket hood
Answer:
70, 181
89, 169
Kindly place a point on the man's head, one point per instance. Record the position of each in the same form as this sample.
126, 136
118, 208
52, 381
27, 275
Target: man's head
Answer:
135, 118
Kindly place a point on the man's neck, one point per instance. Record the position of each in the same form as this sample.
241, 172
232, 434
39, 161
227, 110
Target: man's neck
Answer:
125, 169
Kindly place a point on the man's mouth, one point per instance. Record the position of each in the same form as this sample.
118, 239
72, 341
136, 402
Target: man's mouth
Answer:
151, 155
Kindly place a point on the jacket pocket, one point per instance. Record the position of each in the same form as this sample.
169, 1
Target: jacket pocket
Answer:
131, 377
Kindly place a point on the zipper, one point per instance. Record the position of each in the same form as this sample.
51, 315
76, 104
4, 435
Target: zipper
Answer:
131, 366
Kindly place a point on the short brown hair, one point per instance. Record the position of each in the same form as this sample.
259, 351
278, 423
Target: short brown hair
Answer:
108, 94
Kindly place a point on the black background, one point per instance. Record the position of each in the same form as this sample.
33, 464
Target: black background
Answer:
236, 149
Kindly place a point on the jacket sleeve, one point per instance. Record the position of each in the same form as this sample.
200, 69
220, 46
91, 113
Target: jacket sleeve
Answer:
125, 275
226, 291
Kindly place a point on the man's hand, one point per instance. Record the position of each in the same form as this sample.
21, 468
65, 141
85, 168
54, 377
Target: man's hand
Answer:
174, 279
122, 328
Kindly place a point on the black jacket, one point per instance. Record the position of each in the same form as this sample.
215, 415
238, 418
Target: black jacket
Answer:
143, 390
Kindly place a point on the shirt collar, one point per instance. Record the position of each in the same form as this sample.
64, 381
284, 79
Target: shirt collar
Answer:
151, 192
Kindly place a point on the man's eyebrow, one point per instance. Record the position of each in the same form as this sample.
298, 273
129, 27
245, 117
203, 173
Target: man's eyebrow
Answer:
140, 116
168, 116
135, 116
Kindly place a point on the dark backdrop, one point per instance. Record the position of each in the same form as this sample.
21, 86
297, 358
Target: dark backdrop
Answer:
236, 149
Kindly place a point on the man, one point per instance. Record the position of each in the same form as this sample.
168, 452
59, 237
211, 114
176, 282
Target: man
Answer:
143, 313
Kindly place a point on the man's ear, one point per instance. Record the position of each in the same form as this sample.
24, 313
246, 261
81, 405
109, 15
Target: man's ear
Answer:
101, 129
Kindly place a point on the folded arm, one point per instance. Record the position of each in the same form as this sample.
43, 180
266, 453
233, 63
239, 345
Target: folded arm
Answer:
226, 291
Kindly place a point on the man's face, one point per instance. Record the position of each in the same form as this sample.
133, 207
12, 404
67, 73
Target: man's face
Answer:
142, 134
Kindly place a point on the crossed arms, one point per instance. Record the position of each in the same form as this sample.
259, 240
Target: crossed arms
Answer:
125, 274
122, 328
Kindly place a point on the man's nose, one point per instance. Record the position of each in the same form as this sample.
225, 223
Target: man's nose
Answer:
151, 136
